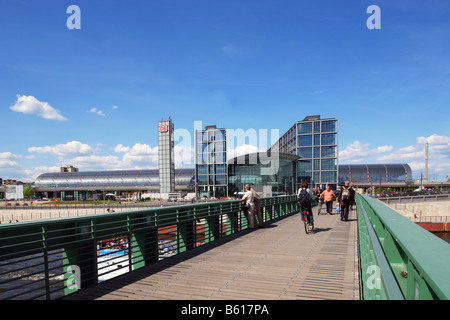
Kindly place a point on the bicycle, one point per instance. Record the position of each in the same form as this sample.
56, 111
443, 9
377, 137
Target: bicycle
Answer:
309, 225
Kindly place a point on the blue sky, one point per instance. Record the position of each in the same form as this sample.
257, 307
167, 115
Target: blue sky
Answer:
92, 97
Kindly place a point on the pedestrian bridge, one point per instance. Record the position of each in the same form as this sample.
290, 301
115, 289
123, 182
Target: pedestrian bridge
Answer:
206, 251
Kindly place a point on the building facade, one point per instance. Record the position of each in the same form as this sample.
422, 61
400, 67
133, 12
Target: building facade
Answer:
211, 171
96, 184
166, 156
315, 140
375, 173
244, 170
240, 171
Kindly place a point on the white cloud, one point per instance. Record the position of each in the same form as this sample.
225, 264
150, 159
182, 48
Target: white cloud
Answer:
414, 155
101, 113
95, 162
121, 149
31, 105
8, 160
357, 151
137, 149
97, 111
69, 149
241, 150
184, 156
138, 156
434, 140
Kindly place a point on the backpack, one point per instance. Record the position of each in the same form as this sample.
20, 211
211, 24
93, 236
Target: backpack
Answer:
304, 198
346, 195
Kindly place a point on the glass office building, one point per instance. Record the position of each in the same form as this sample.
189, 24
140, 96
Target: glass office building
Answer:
166, 156
315, 140
211, 162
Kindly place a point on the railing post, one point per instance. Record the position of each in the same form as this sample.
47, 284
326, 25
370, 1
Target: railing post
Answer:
184, 230
268, 210
82, 257
46, 271
232, 225
144, 243
276, 208
213, 221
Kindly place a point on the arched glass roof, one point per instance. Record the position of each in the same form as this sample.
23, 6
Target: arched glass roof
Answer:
111, 179
371, 173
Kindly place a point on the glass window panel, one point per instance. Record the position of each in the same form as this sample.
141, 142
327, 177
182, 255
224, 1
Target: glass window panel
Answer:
304, 166
202, 180
220, 135
317, 139
316, 152
305, 152
305, 127
316, 164
329, 138
329, 152
329, 126
329, 164
220, 146
329, 176
316, 176
221, 179
316, 127
221, 168
304, 141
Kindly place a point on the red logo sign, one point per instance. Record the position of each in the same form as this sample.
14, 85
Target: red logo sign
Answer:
163, 128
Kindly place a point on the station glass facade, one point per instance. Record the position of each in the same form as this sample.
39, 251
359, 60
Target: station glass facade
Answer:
373, 173
242, 170
211, 162
83, 185
315, 140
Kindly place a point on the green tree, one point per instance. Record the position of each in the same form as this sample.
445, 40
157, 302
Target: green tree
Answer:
28, 191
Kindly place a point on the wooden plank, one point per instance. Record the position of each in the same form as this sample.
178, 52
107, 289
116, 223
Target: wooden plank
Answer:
276, 262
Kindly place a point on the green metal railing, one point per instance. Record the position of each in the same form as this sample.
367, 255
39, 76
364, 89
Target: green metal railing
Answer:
48, 259
399, 259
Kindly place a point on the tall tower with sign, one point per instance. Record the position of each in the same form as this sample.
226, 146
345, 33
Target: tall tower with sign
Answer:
166, 156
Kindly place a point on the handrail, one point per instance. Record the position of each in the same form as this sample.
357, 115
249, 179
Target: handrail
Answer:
417, 198
375, 273
418, 260
47, 259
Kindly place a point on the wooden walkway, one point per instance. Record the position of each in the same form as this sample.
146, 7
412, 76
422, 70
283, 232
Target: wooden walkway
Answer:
276, 262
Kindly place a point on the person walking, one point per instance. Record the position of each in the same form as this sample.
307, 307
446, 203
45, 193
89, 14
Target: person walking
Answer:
320, 200
352, 198
257, 202
345, 199
304, 196
248, 200
329, 196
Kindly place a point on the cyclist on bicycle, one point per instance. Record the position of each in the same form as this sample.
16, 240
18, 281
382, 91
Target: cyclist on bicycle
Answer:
304, 197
